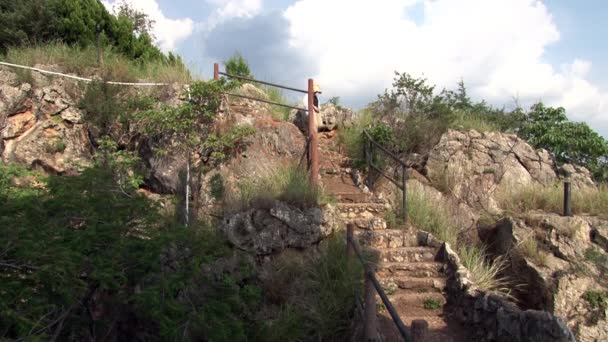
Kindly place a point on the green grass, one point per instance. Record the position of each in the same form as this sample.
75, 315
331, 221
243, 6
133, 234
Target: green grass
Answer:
83, 62
274, 94
596, 299
432, 303
550, 198
431, 214
288, 183
463, 120
351, 138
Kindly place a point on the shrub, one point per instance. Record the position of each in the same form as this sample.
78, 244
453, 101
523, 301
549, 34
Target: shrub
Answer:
596, 299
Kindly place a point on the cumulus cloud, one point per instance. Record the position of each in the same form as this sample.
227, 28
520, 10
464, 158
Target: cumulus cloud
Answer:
496, 46
168, 32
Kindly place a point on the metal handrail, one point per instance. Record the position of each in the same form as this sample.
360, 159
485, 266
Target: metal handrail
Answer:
263, 82
371, 276
370, 156
266, 101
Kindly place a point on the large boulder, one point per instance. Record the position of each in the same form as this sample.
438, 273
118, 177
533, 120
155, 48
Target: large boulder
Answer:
474, 166
330, 118
270, 230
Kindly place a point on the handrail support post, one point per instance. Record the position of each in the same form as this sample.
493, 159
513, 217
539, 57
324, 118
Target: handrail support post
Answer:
567, 198
370, 328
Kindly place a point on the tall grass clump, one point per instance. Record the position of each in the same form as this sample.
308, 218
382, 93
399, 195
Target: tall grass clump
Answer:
317, 295
485, 273
468, 120
529, 248
431, 214
288, 183
83, 62
275, 94
534, 196
351, 137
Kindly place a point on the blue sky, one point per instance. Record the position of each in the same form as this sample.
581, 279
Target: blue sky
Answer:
528, 50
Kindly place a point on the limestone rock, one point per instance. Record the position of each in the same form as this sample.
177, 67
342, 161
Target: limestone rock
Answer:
267, 231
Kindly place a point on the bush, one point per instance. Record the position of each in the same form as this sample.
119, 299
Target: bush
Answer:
432, 303
238, 66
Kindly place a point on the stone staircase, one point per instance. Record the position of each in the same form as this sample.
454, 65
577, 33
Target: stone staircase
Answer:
408, 272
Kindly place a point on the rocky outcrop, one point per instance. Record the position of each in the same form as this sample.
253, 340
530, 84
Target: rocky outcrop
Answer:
267, 231
475, 166
329, 118
42, 127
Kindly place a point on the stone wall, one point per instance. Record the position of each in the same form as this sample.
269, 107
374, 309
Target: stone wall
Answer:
492, 317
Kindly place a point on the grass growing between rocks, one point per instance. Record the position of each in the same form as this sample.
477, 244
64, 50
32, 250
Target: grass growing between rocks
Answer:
287, 183
550, 198
529, 248
83, 62
432, 303
316, 294
485, 274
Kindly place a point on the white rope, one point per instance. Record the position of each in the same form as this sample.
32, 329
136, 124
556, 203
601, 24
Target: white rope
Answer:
80, 78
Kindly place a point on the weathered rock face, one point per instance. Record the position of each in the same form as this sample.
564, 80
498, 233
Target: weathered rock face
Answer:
267, 231
328, 119
42, 127
474, 166
493, 318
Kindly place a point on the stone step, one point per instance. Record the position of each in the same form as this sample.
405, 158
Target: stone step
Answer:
360, 207
414, 301
387, 238
412, 269
413, 284
353, 197
406, 254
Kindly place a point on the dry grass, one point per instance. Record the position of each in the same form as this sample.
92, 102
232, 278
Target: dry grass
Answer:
529, 248
288, 183
550, 198
83, 62
485, 273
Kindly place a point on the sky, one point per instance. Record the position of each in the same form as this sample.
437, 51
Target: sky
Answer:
505, 51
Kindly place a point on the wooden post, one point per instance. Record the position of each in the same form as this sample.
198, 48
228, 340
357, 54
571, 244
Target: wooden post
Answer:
370, 329
404, 189
350, 232
567, 199
99, 61
420, 330
216, 71
312, 136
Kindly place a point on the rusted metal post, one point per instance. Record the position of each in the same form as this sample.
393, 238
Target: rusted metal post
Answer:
216, 71
370, 329
420, 329
567, 199
312, 136
404, 189
350, 233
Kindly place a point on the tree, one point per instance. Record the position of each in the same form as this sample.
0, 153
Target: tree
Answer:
188, 129
142, 24
570, 142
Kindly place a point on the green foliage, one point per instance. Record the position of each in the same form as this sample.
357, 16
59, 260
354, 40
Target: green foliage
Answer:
102, 105
232, 141
432, 303
596, 299
427, 213
570, 142
217, 186
485, 273
238, 66
75, 22
317, 294
275, 94
598, 258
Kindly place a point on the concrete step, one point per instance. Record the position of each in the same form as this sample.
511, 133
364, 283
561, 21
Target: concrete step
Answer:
412, 269
413, 284
406, 254
387, 238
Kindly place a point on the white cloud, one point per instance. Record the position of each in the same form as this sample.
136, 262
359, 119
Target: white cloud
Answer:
236, 8
496, 46
168, 32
